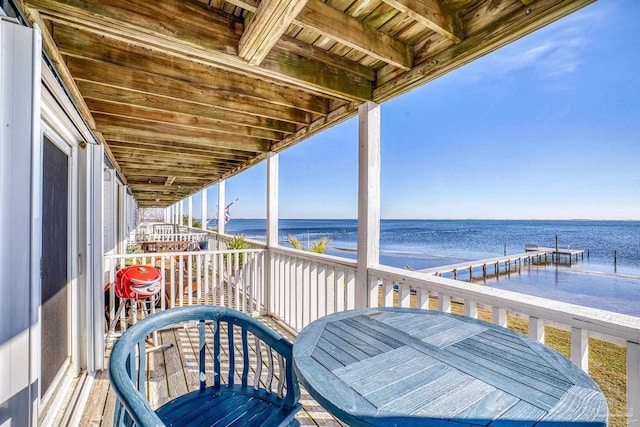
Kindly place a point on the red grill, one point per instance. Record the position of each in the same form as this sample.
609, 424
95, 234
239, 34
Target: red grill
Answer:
138, 281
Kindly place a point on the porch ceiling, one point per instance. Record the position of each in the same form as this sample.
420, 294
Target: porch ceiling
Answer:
183, 93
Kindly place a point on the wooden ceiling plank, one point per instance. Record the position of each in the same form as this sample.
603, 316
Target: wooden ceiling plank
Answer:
82, 44
191, 122
225, 140
310, 51
166, 149
151, 172
347, 30
126, 133
152, 25
432, 14
271, 20
171, 147
318, 73
207, 139
57, 60
95, 91
155, 153
115, 76
191, 166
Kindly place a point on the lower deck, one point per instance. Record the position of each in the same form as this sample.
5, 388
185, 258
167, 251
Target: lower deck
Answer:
174, 371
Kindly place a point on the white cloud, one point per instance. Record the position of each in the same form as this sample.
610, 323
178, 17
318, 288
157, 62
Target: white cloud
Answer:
548, 54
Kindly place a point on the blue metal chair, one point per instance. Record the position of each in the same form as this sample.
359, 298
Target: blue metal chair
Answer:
267, 401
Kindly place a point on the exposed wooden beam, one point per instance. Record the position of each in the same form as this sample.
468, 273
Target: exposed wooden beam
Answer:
167, 165
125, 78
108, 125
271, 20
175, 119
191, 30
433, 14
307, 50
156, 187
150, 172
82, 44
101, 92
311, 51
336, 25
149, 146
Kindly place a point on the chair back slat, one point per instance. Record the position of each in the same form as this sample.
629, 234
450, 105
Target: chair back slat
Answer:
270, 370
216, 355
142, 366
256, 382
281, 382
202, 362
232, 355
245, 358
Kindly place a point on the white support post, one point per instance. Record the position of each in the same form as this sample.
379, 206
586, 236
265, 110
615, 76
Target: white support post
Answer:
180, 212
190, 210
272, 199
580, 348
536, 329
203, 210
272, 226
221, 205
499, 316
470, 308
176, 212
368, 201
633, 384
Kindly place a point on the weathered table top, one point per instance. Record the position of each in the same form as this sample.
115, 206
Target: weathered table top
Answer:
393, 366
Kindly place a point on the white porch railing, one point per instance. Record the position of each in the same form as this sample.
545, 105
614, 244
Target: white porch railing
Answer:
307, 286
231, 279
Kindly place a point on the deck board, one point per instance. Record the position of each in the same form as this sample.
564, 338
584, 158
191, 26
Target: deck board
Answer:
173, 372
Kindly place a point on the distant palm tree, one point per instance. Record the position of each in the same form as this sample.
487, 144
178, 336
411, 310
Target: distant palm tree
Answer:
194, 223
320, 246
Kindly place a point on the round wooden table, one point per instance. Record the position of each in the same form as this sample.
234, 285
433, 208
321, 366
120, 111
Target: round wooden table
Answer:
396, 366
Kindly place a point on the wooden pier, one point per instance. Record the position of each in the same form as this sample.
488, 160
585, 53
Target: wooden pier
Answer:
532, 254
557, 252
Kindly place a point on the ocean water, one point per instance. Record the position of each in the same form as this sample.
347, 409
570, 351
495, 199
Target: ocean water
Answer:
595, 281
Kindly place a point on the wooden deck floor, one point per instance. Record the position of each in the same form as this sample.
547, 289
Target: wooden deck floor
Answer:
173, 372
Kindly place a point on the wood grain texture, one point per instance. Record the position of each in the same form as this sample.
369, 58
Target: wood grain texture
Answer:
441, 369
290, 69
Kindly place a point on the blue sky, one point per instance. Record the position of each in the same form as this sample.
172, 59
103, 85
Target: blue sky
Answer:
545, 128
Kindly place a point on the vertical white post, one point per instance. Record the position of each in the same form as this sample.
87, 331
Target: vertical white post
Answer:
181, 212
580, 348
203, 210
633, 384
368, 202
221, 205
470, 308
536, 329
499, 316
175, 213
272, 199
272, 226
190, 210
